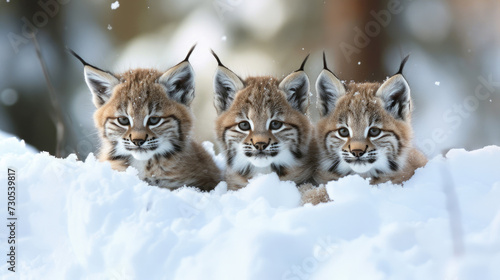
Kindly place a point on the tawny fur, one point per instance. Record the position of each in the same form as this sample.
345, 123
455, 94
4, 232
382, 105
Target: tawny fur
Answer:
314, 195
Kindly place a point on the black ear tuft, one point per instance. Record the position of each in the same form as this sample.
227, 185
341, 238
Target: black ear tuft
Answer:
303, 64
85, 63
189, 53
217, 58
402, 65
324, 62
77, 56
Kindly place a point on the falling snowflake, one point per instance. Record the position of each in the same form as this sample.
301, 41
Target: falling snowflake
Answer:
437, 83
115, 5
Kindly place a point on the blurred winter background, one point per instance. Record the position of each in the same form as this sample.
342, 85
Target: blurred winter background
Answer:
453, 69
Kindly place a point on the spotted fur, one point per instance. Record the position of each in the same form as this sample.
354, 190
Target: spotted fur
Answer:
366, 129
262, 126
144, 121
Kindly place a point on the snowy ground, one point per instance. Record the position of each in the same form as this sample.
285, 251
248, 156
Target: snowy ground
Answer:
82, 220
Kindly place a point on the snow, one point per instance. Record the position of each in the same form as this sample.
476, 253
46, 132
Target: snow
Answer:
83, 220
10, 144
115, 5
437, 83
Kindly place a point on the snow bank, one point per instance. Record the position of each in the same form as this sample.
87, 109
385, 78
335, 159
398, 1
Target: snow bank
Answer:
83, 220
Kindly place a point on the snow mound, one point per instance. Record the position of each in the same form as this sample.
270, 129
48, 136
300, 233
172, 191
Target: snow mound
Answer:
83, 220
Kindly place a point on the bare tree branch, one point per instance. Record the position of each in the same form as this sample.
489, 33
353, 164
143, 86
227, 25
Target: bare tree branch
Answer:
57, 114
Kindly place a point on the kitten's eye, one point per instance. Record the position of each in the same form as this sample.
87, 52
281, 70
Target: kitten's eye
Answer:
123, 121
244, 125
374, 132
344, 132
153, 120
274, 125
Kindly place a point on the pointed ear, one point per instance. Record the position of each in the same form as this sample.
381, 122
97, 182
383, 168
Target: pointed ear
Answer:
179, 83
395, 93
296, 87
100, 82
329, 89
226, 85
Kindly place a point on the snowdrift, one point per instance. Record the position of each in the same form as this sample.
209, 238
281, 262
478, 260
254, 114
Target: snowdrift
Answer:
83, 220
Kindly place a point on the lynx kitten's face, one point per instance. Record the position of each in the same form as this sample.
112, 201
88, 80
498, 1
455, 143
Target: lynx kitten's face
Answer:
140, 120
365, 128
261, 129
142, 113
262, 124
362, 135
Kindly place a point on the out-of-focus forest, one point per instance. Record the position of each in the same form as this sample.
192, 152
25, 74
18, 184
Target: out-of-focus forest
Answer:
453, 71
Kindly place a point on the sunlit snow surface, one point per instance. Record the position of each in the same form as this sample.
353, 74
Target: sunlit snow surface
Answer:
82, 220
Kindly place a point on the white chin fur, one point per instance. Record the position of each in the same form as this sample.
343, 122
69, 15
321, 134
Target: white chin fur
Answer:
261, 162
142, 155
361, 168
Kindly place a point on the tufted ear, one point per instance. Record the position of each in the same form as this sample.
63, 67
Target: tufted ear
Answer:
329, 89
296, 86
100, 82
179, 81
395, 93
226, 85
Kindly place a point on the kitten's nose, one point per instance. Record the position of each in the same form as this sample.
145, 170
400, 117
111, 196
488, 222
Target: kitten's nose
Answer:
261, 145
138, 142
357, 152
